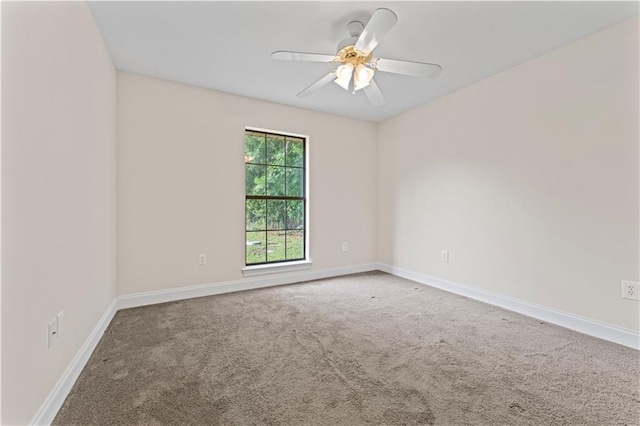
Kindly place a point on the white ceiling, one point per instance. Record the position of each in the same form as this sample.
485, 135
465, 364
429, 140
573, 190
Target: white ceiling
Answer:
226, 46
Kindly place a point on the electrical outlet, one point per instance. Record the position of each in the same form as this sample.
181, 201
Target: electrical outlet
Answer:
52, 330
60, 323
202, 259
631, 290
444, 256
345, 246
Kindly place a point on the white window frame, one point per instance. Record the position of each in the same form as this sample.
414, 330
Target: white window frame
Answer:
288, 266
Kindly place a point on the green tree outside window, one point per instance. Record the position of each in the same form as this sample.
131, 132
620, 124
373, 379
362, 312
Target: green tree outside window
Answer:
274, 198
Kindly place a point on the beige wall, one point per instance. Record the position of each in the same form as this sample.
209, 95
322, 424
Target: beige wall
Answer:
529, 178
181, 183
58, 141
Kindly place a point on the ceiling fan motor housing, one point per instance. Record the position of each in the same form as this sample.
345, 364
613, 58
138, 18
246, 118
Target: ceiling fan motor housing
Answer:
346, 51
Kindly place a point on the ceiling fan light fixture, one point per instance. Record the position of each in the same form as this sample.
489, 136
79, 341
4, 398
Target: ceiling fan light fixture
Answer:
355, 59
362, 77
343, 75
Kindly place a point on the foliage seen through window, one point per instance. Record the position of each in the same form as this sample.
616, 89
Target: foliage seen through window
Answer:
275, 198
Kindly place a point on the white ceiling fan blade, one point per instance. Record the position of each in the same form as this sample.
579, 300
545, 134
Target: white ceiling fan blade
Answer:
415, 69
374, 94
318, 84
302, 56
378, 26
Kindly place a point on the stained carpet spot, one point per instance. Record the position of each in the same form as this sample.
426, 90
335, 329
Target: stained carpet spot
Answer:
516, 406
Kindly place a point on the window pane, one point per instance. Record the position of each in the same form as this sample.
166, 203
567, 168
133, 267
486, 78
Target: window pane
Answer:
255, 211
276, 212
274, 170
254, 148
295, 214
294, 152
255, 179
275, 180
275, 150
295, 182
256, 247
295, 245
275, 246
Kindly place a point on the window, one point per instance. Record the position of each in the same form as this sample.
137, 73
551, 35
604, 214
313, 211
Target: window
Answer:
275, 199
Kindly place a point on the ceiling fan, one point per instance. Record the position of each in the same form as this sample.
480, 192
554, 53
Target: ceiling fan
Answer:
355, 54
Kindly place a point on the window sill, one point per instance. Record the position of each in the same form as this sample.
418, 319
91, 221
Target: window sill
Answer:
274, 268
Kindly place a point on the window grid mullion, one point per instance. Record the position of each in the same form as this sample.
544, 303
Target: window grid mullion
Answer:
285, 198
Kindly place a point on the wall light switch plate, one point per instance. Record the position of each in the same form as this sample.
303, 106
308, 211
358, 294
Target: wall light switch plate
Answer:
53, 333
631, 290
345, 246
444, 255
202, 259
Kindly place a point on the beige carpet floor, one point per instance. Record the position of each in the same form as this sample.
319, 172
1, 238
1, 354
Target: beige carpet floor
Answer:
360, 349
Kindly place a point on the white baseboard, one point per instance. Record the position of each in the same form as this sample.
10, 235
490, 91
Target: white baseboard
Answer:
574, 322
182, 293
58, 394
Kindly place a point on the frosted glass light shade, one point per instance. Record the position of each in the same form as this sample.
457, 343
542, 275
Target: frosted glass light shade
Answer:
343, 75
362, 77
